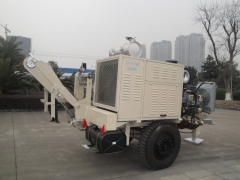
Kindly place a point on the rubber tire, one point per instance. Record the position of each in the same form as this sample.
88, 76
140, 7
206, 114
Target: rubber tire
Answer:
130, 139
148, 138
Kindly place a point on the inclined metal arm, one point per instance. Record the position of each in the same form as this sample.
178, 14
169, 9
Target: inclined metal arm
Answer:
46, 76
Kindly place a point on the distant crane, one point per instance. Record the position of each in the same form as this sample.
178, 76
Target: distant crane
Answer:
6, 30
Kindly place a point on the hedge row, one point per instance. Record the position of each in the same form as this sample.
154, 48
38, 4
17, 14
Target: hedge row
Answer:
221, 94
20, 103
236, 95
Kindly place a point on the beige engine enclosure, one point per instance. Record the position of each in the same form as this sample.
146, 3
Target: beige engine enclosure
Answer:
145, 89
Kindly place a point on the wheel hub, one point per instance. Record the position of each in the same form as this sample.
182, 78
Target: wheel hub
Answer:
163, 147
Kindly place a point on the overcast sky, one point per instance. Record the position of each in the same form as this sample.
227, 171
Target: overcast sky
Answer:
73, 31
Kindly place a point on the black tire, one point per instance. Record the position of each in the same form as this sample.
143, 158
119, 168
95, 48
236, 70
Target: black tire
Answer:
130, 139
159, 145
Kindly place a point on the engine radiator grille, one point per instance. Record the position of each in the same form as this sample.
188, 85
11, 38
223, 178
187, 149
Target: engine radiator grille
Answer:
106, 82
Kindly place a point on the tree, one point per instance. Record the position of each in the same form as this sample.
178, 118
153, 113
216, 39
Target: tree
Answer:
10, 79
193, 75
54, 66
10, 63
210, 70
68, 82
221, 22
10, 49
235, 78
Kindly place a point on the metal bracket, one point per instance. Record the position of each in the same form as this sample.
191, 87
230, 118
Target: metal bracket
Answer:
194, 139
30, 60
76, 123
209, 121
33, 56
86, 146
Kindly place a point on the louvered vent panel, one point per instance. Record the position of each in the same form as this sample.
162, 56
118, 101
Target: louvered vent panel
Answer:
137, 87
126, 83
154, 101
163, 101
165, 73
156, 72
172, 99
174, 74
106, 82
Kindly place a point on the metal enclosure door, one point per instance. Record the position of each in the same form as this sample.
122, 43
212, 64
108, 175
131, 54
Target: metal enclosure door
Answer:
162, 101
163, 90
130, 98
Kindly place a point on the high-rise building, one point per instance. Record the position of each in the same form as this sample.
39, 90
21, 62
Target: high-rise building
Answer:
165, 50
190, 50
143, 55
161, 50
25, 46
154, 51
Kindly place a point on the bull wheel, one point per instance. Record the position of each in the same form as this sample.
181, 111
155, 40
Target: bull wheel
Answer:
159, 145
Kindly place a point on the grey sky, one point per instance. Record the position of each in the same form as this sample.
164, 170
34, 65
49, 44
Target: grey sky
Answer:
85, 30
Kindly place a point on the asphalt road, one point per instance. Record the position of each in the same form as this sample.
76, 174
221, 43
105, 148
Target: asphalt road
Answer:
31, 147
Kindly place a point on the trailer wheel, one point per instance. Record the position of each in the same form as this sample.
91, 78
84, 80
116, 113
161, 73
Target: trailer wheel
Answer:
159, 145
130, 139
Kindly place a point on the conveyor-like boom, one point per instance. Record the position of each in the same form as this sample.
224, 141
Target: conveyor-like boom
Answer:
46, 76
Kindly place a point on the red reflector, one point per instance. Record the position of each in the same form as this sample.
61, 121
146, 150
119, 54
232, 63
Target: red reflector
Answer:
103, 129
84, 123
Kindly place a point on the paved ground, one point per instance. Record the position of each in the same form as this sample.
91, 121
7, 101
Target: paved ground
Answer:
33, 148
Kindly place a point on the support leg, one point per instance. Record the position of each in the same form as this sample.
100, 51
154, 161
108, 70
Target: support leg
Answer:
209, 121
194, 139
127, 132
45, 100
52, 106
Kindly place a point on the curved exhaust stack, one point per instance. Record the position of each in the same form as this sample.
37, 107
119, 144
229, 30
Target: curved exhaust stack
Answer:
133, 48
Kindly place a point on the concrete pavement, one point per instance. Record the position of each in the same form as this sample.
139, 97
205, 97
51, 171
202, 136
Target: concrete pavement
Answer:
33, 148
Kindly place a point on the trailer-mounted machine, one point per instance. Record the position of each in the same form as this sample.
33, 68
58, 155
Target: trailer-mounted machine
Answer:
131, 98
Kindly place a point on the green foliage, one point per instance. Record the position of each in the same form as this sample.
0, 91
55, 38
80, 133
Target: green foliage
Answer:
54, 66
193, 75
236, 95
235, 77
220, 94
12, 76
9, 49
68, 82
200, 77
210, 70
10, 79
